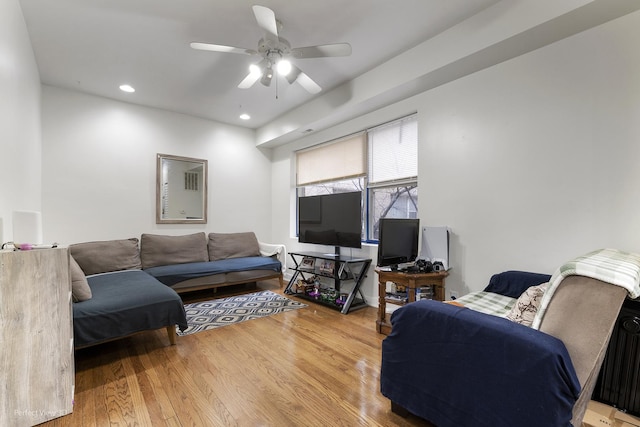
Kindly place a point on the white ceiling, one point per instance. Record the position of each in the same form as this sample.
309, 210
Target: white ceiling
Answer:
93, 46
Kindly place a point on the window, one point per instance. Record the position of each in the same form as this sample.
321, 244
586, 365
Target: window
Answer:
392, 172
382, 162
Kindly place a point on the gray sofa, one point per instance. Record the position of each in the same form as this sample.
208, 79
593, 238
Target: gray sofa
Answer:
195, 261
119, 288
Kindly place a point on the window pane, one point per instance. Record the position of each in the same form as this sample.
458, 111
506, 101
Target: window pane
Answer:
393, 151
391, 202
355, 184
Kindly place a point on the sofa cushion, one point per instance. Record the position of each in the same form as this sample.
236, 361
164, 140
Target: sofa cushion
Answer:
172, 274
123, 303
158, 250
513, 283
80, 290
104, 256
233, 245
526, 307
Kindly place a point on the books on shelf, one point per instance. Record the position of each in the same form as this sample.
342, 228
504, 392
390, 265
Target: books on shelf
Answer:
400, 297
424, 292
307, 263
326, 266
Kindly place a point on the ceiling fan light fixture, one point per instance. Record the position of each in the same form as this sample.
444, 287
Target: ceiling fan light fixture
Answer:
284, 67
255, 70
267, 76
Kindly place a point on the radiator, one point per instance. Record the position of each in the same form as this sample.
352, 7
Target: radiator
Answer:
618, 383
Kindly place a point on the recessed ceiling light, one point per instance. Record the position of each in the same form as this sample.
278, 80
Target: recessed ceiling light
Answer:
127, 88
245, 116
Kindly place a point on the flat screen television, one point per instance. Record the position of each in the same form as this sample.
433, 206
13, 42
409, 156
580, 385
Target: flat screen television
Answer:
331, 219
398, 241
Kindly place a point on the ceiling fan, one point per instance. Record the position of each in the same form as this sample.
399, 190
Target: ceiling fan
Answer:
275, 52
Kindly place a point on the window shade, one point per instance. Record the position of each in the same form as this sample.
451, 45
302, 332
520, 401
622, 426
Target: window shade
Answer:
393, 151
342, 159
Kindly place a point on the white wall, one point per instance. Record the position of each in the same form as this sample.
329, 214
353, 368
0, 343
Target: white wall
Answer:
99, 169
20, 150
538, 156
531, 162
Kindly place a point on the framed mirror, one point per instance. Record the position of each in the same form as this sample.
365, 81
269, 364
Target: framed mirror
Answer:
181, 190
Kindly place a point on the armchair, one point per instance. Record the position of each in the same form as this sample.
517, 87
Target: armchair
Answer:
455, 366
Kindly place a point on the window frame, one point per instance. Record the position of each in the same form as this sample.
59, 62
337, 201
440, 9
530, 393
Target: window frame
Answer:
367, 188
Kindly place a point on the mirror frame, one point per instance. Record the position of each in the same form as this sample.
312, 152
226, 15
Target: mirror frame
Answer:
159, 220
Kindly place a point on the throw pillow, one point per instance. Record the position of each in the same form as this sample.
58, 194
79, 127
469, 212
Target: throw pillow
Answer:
156, 250
105, 256
80, 290
233, 245
526, 307
513, 283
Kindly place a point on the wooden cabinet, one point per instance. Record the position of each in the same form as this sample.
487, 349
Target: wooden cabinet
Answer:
36, 349
412, 282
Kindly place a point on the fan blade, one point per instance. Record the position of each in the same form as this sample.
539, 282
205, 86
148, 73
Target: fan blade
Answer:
296, 75
249, 81
266, 19
337, 49
221, 48
309, 85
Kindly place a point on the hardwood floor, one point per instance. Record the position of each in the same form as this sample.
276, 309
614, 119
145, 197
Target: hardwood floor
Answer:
308, 367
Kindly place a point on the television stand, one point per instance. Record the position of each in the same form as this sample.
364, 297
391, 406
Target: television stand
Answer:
332, 280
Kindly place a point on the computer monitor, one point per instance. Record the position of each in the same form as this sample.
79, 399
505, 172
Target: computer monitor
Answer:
398, 242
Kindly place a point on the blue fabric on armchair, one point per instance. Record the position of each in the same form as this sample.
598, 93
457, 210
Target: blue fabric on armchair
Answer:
457, 367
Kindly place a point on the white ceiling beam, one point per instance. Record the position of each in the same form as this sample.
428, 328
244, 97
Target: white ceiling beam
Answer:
509, 29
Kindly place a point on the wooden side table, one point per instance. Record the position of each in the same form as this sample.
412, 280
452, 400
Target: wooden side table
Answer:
411, 281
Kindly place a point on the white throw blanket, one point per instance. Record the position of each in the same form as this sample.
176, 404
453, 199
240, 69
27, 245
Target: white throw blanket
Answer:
268, 249
608, 265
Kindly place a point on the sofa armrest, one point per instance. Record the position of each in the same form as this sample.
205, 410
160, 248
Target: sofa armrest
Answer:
271, 249
454, 366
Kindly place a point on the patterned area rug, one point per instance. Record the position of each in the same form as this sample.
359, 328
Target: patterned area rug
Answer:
202, 316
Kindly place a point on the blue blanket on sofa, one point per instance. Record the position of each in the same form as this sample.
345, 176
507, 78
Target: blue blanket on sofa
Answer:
123, 303
172, 274
458, 367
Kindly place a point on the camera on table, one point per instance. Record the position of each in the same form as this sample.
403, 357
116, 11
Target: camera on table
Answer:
424, 266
